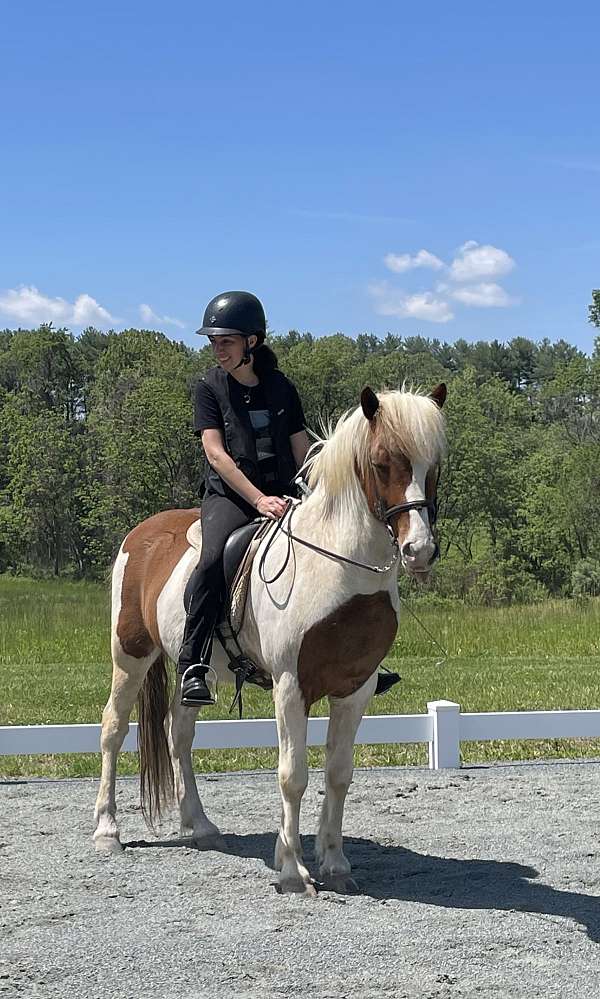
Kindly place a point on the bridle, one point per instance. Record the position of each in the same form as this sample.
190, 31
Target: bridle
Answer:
386, 513
382, 513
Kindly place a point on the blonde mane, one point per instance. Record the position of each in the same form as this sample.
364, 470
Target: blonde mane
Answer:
409, 422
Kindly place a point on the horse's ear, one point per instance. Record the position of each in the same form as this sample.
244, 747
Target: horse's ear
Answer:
438, 394
369, 402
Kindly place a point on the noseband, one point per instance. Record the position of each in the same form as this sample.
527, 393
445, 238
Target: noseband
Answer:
385, 513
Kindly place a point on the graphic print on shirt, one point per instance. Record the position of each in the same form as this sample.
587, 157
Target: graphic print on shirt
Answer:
265, 450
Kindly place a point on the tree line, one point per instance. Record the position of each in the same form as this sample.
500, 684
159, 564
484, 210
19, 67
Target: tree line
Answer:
96, 434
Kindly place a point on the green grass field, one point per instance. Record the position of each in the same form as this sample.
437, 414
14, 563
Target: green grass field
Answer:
55, 668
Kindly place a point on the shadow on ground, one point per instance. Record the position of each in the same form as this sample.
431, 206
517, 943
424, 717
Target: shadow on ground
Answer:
393, 872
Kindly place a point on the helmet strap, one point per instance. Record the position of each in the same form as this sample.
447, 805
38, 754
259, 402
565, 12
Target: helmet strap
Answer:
247, 356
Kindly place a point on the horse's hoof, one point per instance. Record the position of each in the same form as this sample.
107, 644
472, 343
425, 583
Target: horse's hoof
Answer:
108, 844
342, 884
296, 886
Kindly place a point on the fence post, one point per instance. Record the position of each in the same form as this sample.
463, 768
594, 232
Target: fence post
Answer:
444, 748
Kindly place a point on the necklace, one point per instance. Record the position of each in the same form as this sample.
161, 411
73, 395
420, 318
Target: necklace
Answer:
247, 393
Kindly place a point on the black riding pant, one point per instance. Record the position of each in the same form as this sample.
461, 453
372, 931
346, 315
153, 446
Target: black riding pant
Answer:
205, 590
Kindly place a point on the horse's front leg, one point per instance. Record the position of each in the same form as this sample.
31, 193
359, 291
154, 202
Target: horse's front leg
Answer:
291, 715
344, 718
193, 819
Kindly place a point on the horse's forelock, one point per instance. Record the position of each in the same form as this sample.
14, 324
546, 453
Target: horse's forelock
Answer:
411, 423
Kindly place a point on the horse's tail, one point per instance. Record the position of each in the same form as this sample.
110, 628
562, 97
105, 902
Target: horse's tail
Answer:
156, 768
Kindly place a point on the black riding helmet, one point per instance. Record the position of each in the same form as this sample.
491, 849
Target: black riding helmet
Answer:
236, 312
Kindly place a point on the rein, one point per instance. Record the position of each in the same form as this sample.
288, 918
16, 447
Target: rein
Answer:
327, 553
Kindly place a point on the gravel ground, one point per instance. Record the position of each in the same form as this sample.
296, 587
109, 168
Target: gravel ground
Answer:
473, 883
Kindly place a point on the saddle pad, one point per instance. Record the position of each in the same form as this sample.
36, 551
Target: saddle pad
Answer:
239, 588
193, 535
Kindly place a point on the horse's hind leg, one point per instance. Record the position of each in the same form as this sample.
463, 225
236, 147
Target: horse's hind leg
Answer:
128, 677
194, 822
344, 718
290, 713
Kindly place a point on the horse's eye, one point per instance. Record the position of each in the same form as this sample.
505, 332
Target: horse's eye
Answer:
381, 466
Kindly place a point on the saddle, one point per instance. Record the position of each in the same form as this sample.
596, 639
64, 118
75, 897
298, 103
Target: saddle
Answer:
238, 556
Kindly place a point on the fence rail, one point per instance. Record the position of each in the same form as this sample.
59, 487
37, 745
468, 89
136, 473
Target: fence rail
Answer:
444, 727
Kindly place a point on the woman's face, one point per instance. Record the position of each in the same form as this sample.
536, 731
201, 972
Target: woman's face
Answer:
229, 349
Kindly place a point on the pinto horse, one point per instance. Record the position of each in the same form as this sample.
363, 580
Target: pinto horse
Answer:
320, 617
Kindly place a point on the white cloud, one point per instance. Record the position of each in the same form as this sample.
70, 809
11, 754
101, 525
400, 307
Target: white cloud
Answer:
399, 263
150, 316
485, 296
469, 279
424, 305
474, 261
30, 307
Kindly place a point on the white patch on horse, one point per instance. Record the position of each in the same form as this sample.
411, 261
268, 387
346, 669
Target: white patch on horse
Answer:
116, 590
312, 587
418, 545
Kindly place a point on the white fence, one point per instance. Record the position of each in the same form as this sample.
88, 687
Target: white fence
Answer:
444, 727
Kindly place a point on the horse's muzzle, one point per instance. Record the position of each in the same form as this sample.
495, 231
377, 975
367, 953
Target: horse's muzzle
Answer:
414, 563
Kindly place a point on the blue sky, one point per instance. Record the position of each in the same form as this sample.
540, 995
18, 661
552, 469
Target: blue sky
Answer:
157, 154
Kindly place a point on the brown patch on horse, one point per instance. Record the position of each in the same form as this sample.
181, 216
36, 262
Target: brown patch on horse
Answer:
154, 547
341, 652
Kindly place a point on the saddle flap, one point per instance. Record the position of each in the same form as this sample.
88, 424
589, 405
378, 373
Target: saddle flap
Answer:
236, 547
239, 578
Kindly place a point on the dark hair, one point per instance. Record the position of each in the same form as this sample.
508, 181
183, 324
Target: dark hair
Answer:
265, 360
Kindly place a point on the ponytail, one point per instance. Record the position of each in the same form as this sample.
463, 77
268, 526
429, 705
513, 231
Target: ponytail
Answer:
265, 360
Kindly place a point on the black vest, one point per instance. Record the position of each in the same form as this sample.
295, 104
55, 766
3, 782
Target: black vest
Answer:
239, 436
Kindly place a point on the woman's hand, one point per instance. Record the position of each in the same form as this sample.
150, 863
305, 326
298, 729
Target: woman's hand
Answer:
272, 507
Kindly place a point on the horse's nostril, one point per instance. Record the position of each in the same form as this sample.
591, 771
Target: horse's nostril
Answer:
407, 549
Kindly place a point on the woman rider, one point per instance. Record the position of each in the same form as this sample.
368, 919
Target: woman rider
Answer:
250, 420
251, 423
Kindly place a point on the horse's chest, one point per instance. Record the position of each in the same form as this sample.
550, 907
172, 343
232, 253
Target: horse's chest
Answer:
341, 652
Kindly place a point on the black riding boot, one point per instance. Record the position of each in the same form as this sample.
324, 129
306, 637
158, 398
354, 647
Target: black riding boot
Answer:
195, 692
385, 681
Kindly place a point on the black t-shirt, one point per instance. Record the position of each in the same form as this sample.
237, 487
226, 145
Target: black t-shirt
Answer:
208, 416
